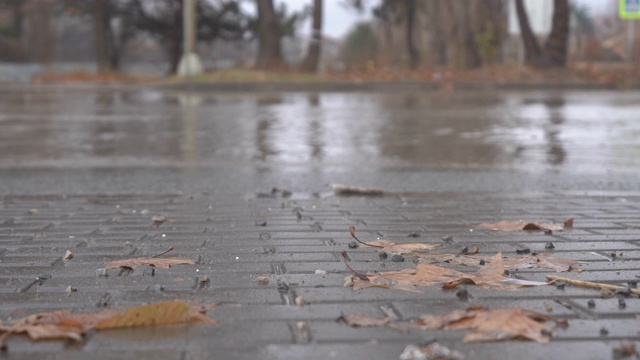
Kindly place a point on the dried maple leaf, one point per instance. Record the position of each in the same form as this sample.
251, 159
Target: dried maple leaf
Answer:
402, 249
539, 260
485, 324
490, 276
526, 225
163, 263
66, 325
493, 325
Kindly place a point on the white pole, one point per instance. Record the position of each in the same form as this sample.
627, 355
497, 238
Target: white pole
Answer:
190, 64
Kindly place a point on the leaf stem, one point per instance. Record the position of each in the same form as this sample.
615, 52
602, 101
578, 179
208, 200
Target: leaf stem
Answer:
359, 274
352, 231
164, 252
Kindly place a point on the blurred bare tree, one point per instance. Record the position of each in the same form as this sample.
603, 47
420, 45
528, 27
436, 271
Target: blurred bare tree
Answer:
163, 19
269, 27
458, 34
312, 60
554, 53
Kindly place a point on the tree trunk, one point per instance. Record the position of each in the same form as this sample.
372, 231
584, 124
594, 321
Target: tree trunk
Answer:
102, 28
556, 45
175, 39
310, 63
533, 54
269, 50
414, 55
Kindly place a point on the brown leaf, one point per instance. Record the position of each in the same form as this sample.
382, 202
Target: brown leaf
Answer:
402, 249
536, 261
391, 247
493, 325
525, 225
490, 276
66, 325
485, 324
163, 263
159, 220
161, 313
357, 320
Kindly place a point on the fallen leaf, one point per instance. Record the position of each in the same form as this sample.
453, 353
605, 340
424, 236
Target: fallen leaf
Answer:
340, 189
68, 255
485, 324
393, 248
358, 320
66, 325
526, 225
536, 261
490, 276
163, 263
493, 325
161, 313
159, 220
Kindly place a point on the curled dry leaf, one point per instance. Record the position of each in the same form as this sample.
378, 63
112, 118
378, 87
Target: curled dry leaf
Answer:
66, 325
340, 189
536, 261
159, 220
393, 248
490, 276
485, 324
163, 263
526, 225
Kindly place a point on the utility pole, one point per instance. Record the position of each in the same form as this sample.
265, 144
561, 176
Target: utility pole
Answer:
190, 64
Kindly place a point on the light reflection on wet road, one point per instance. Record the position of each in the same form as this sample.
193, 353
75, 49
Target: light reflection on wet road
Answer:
145, 127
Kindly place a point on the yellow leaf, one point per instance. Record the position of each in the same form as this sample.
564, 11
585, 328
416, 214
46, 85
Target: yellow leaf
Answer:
161, 313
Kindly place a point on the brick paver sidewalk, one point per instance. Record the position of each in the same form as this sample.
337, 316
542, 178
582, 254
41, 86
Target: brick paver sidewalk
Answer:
234, 240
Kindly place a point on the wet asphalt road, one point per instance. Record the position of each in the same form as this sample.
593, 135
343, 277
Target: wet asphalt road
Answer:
88, 139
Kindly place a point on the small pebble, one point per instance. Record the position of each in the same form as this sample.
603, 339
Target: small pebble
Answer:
382, 255
261, 223
397, 258
264, 280
71, 289
447, 238
101, 272
622, 303
604, 331
300, 301
44, 277
482, 262
549, 245
68, 255
462, 294
633, 283
321, 272
353, 245
348, 281
158, 287
149, 271
414, 235
560, 285
465, 250
549, 308
591, 304
523, 251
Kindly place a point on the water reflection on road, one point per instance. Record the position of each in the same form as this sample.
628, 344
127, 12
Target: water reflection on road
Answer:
97, 127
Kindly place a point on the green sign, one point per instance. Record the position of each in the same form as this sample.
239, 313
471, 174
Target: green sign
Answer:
629, 9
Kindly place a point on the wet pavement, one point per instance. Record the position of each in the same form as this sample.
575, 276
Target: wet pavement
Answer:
84, 168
